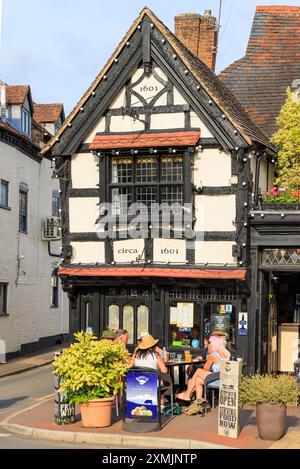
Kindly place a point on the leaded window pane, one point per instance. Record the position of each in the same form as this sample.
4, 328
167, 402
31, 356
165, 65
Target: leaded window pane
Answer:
146, 195
113, 317
142, 319
121, 170
128, 322
171, 169
121, 199
146, 170
172, 195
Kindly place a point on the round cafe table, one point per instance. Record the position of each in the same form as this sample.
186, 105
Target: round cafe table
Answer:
182, 364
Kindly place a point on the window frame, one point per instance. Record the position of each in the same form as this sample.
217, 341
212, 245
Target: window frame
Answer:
4, 306
54, 292
55, 196
4, 183
158, 185
25, 122
23, 189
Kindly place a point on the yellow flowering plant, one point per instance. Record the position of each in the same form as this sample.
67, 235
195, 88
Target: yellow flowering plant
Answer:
91, 369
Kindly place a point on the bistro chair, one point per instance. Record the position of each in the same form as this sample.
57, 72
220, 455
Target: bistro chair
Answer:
212, 384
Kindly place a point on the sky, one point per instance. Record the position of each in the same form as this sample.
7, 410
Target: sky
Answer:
59, 46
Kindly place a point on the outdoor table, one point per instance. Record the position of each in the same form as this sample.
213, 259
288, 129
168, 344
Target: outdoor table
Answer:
171, 364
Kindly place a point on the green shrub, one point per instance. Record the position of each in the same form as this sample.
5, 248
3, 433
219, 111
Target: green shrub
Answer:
268, 389
91, 369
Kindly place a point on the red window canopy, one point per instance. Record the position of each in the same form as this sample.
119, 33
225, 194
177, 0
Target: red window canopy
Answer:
230, 274
188, 138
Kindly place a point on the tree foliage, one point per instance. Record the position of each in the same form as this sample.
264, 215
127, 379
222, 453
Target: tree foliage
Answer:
287, 140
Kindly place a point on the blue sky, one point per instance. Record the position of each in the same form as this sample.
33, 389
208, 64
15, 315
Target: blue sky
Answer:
59, 46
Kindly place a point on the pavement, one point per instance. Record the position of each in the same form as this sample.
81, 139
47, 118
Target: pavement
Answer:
181, 432
28, 362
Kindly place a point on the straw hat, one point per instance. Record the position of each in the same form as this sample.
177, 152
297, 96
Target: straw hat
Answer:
219, 333
147, 342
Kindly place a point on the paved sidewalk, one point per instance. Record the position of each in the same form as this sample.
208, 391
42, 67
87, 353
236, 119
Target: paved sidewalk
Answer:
28, 362
184, 431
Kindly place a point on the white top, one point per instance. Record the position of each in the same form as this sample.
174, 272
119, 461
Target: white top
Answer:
149, 362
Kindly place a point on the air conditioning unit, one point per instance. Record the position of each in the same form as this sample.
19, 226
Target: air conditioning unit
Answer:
52, 229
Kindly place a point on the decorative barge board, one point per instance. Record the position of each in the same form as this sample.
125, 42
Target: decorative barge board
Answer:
157, 127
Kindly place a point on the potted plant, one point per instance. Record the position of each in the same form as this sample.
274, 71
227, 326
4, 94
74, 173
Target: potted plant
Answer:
270, 394
91, 374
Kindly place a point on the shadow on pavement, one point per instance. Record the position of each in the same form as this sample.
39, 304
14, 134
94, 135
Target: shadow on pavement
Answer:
9, 402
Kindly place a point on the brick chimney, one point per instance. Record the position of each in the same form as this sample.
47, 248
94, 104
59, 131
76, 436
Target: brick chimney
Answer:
199, 34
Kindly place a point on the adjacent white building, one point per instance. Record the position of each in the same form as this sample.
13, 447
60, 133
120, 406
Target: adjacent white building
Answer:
33, 308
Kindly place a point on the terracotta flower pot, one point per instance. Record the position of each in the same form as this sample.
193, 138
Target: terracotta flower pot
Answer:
296, 193
271, 421
97, 413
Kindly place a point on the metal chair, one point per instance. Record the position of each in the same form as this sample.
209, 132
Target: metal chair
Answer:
212, 383
167, 389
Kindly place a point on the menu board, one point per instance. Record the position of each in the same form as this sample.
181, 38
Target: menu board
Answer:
185, 314
182, 315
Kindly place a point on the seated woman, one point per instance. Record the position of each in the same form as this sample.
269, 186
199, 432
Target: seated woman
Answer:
216, 352
147, 354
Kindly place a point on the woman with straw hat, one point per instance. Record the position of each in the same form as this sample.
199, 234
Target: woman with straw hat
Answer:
146, 354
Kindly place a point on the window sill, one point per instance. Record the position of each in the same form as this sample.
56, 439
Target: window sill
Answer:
23, 232
54, 307
4, 315
5, 208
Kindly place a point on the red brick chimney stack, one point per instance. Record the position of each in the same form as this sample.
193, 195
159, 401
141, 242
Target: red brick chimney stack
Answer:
199, 34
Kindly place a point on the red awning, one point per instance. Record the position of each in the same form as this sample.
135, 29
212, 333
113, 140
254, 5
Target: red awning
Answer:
145, 140
230, 274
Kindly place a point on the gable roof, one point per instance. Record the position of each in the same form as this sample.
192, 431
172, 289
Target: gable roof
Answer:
16, 94
48, 113
271, 64
226, 101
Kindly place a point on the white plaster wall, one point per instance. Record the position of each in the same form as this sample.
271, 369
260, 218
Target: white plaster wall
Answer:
126, 124
212, 167
169, 250
178, 98
167, 121
215, 213
137, 75
263, 176
30, 315
214, 252
119, 99
88, 252
129, 250
99, 127
196, 123
83, 212
271, 176
85, 173
50, 128
253, 168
